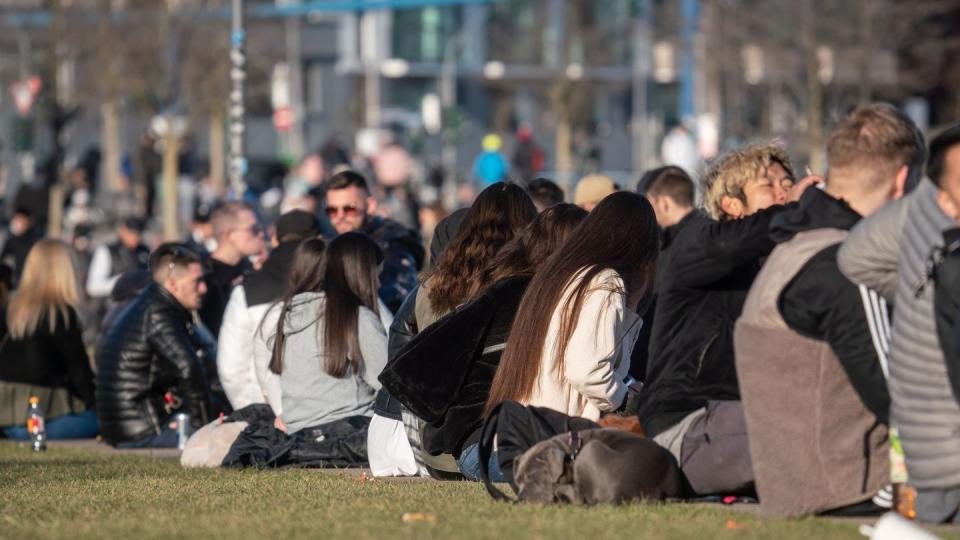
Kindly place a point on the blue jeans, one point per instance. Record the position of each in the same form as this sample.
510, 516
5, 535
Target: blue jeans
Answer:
68, 426
469, 465
165, 439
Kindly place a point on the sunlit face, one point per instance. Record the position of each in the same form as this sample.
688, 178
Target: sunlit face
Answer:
247, 236
348, 208
949, 196
771, 189
187, 285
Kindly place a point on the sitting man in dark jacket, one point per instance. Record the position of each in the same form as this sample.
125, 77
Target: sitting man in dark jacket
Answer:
149, 366
816, 403
691, 383
351, 208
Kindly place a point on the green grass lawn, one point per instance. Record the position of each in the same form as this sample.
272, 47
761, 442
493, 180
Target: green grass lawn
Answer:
73, 493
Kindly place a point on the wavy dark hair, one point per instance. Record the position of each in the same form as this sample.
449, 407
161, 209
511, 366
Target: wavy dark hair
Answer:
498, 215
620, 234
523, 255
348, 278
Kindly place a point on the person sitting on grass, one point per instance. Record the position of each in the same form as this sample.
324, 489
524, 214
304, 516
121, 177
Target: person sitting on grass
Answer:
149, 364
42, 352
817, 404
690, 389
573, 334
329, 344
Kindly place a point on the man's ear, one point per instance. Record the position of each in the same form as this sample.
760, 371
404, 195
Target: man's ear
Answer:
900, 182
731, 206
947, 205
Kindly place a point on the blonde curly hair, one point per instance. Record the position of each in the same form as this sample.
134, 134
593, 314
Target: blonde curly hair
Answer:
730, 172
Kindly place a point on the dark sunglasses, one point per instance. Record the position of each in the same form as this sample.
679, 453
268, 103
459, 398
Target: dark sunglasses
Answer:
348, 210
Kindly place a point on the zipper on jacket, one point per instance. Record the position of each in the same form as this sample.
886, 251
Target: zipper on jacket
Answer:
703, 354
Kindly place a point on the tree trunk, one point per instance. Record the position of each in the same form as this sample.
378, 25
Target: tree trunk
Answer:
217, 151
110, 117
171, 149
815, 140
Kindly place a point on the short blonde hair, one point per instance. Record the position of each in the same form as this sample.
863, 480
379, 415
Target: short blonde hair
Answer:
729, 173
48, 287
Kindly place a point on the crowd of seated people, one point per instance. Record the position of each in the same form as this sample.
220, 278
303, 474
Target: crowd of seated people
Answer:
772, 337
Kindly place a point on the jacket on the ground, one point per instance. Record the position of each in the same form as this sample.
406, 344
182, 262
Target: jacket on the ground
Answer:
815, 443
50, 365
403, 258
242, 319
150, 350
947, 305
890, 252
705, 277
443, 375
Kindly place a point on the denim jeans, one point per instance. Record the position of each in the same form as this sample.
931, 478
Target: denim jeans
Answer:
165, 439
469, 465
68, 426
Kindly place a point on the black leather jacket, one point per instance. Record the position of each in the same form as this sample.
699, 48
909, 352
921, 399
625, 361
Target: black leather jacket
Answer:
402, 331
150, 350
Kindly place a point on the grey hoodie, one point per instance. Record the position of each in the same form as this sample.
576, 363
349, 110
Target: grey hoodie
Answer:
310, 395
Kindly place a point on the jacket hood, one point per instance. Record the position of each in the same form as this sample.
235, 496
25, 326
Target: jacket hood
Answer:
304, 312
816, 210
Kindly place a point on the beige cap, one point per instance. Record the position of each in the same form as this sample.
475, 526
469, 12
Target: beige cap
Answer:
593, 188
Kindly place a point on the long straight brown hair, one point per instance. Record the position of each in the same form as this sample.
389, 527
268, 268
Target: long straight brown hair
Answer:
347, 273
306, 275
499, 214
523, 255
620, 234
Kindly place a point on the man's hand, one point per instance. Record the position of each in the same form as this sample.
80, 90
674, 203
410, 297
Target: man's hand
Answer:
278, 423
797, 190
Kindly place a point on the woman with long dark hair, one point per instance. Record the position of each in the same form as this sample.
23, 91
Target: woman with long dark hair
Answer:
571, 340
498, 215
330, 345
474, 337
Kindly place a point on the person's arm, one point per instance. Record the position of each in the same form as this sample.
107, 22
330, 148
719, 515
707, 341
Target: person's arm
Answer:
263, 353
820, 303
870, 254
712, 252
68, 342
171, 343
235, 362
373, 346
404, 326
99, 280
592, 350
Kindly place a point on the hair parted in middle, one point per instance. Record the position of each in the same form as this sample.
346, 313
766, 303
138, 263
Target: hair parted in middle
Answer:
729, 173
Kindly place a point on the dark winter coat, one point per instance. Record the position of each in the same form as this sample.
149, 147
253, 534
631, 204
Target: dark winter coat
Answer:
704, 280
822, 304
403, 258
444, 374
220, 280
947, 307
150, 350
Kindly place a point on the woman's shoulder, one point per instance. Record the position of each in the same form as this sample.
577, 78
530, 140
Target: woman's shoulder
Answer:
606, 278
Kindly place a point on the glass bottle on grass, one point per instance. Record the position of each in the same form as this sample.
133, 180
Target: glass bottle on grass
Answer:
36, 426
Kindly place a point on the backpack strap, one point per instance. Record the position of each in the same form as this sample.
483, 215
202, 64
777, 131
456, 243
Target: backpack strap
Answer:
488, 434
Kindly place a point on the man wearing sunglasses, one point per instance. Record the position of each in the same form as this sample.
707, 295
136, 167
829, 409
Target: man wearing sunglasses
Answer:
239, 237
350, 208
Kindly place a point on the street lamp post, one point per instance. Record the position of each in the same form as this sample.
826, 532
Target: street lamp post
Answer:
238, 161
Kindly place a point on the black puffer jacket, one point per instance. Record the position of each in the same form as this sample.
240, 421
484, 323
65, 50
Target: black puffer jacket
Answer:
150, 350
947, 306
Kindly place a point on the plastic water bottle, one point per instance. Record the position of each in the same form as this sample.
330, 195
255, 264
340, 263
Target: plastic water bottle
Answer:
36, 426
